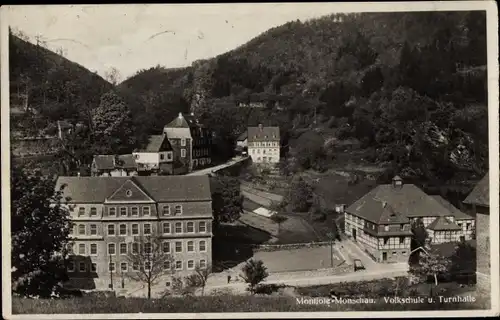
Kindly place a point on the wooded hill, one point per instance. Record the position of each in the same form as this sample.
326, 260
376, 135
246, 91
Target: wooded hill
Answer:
411, 87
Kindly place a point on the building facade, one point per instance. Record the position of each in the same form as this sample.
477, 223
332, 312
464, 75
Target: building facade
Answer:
113, 166
111, 214
478, 203
381, 220
264, 144
191, 143
156, 158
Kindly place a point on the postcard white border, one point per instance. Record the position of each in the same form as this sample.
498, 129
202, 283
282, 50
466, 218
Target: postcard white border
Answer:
493, 101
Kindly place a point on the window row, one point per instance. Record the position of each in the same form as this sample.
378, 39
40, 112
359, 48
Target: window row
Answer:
133, 229
178, 227
264, 151
169, 156
201, 161
201, 152
124, 266
129, 211
265, 144
123, 248
468, 225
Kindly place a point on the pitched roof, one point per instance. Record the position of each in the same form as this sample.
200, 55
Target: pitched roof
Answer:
443, 224
155, 143
457, 214
184, 121
242, 136
263, 133
160, 188
407, 200
480, 195
105, 162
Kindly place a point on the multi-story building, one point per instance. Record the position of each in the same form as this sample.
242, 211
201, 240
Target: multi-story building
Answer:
113, 166
156, 158
381, 220
110, 214
478, 203
191, 143
264, 144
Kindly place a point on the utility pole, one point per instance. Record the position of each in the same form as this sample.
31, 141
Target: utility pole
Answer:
331, 237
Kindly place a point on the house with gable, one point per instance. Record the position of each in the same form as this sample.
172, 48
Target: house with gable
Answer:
109, 214
264, 144
381, 220
156, 158
191, 143
478, 204
113, 166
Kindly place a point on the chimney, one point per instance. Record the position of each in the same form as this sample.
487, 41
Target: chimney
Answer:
260, 127
180, 115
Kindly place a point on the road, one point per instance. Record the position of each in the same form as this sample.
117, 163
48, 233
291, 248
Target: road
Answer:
210, 170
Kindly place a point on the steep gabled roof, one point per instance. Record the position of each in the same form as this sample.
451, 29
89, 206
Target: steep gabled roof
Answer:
155, 143
263, 134
457, 214
407, 200
243, 136
443, 224
108, 162
480, 195
159, 188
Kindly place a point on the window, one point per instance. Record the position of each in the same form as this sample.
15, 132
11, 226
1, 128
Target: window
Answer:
81, 212
93, 267
93, 249
75, 229
71, 266
166, 210
135, 266
81, 249
169, 155
190, 227
147, 265
468, 226
183, 153
183, 142
147, 229
123, 229
166, 265
178, 265
145, 211
111, 248
123, 266
123, 248
93, 229
162, 156
178, 210
112, 212
202, 226
190, 246
203, 246
69, 248
166, 227
404, 252
178, 246
203, 263
178, 227
401, 240
386, 240
166, 247
394, 253
190, 264
402, 226
81, 229
134, 211
112, 267
147, 248
111, 229
93, 212
135, 229
82, 267
135, 248
123, 211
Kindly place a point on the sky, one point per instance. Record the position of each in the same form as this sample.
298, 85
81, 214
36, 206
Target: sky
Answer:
134, 37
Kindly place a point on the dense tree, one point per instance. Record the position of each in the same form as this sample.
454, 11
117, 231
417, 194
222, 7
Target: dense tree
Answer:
112, 127
40, 227
199, 278
299, 195
431, 265
278, 219
227, 201
463, 261
254, 272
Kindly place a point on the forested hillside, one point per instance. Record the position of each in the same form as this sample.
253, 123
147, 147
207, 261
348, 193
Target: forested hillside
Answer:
410, 86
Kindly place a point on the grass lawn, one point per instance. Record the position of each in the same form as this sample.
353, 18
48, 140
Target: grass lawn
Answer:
223, 303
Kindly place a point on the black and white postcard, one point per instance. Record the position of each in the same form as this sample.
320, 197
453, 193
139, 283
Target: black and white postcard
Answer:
276, 160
